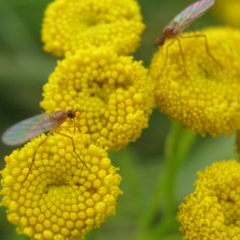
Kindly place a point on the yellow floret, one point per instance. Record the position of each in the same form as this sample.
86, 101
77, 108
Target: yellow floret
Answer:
70, 25
200, 88
113, 95
60, 196
212, 211
228, 13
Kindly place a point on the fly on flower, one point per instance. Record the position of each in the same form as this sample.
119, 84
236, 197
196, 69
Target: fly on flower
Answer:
25, 130
183, 20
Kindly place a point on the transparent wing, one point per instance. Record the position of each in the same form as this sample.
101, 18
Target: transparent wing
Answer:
28, 129
192, 12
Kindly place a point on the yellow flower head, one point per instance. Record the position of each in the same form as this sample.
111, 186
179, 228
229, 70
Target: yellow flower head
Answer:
112, 93
205, 98
69, 190
227, 12
213, 210
70, 25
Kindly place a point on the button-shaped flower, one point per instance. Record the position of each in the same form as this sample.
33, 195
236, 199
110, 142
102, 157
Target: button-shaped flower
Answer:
213, 210
113, 95
200, 88
70, 189
70, 25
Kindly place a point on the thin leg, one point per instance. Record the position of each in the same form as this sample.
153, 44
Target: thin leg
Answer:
180, 47
165, 59
34, 155
42, 142
63, 134
206, 45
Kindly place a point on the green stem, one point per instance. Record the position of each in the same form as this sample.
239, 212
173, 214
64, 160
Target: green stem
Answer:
129, 177
178, 145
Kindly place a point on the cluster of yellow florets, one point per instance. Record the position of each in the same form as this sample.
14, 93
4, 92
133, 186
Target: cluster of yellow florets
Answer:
71, 25
62, 185
112, 93
67, 191
212, 211
200, 88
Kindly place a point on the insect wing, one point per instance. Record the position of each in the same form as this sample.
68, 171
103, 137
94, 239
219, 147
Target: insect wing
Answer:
192, 12
28, 129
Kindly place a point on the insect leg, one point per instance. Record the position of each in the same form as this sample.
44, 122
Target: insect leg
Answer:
165, 59
34, 155
206, 45
65, 135
180, 47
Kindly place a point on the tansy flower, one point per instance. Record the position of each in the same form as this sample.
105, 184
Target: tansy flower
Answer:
113, 95
69, 190
70, 25
213, 210
201, 87
227, 12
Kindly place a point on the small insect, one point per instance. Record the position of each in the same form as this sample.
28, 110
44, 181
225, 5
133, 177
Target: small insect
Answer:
25, 130
183, 20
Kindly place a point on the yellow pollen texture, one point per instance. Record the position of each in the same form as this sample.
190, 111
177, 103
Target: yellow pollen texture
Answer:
200, 87
112, 94
66, 193
70, 25
213, 210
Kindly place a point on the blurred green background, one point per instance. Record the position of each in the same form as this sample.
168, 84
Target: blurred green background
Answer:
24, 68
